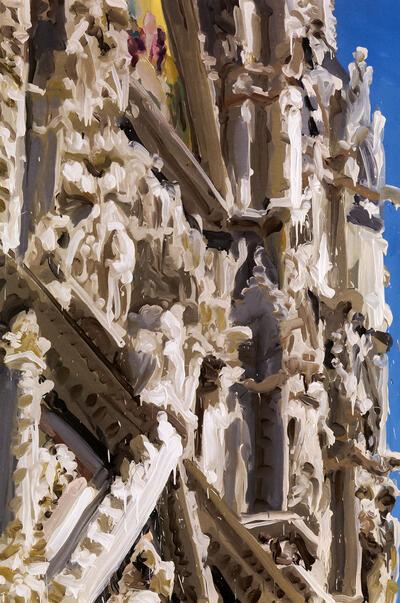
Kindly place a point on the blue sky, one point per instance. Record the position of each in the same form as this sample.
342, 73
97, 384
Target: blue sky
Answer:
375, 24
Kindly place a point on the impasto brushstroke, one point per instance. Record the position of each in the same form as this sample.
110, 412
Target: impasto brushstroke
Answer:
194, 331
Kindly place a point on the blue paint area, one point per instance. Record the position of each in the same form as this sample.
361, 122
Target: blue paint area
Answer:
376, 25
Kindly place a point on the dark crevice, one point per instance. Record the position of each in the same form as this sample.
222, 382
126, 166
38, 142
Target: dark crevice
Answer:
222, 586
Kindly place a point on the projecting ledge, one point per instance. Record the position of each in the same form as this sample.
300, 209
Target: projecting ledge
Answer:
351, 455
278, 522
385, 193
347, 599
